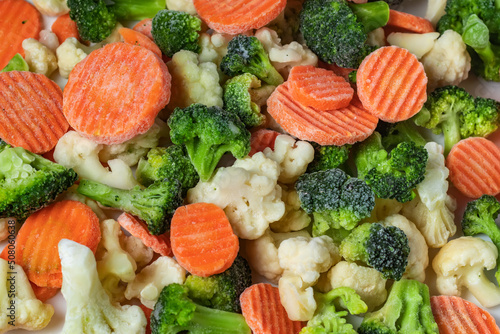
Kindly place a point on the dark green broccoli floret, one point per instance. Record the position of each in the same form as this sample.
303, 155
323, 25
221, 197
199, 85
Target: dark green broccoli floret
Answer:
385, 248
155, 205
407, 310
175, 312
167, 163
174, 31
395, 133
479, 218
208, 133
391, 175
334, 199
328, 157
245, 54
337, 31
221, 291
29, 182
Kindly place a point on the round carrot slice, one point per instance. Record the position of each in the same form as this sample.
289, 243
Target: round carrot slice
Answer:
136, 38
262, 139
333, 127
64, 27
474, 165
237, 16
116, 92
144, 27
42, 293
404, 22
31, 111
319, 88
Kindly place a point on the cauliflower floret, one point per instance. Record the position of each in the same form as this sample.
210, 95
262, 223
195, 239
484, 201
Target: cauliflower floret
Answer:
384, 207
435, 10
213, 47
82, 154
134, 246
182, 6
292, 156
20, 308
297, 298
69, 53
247, 192
49, 39
52, 7
88, 307
294, 219
434, 188
40, 58
448, 62
376, 37
418, 44
152, 279
367, 282
307, 257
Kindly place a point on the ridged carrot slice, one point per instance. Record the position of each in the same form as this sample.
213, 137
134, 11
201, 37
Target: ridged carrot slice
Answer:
404, 22
261, 139
116, 92
64, 27
319, 88
237, 16
455, 315
474, 165
31, 111
263, 312
144, 27
203, 241
333, 127
136, 38
392, 84
36, 242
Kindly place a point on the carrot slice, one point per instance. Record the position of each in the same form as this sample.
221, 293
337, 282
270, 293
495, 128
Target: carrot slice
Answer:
319, 88
202, 239
64, 27
261, 139
31, 111
404, 22
136, 38
116, 92
158, 243
237, 16
333, 127
392, 84
263, 312
144, 27
147, 312
455, 315
36, 242
340, 71
20, 20
474, 165
43, 293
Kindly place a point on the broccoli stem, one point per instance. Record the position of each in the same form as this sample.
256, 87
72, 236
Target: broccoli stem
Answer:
137, 9
208, 320
266, 71
451, 131
205, 156
372, 15
106, 195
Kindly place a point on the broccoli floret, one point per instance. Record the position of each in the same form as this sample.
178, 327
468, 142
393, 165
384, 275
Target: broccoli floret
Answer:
479, 218
167, 163
337, 31
407, 310
174, 31
29, 182
246, 54
221, 291
395, 133
385, 248
208, 133
328, 157
155, 205
334, 199
175, 312
391, 175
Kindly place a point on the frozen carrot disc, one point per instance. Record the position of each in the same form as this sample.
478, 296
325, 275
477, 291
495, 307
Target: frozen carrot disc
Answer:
261, 139
64, 27
144, 27
404, 22
136, 38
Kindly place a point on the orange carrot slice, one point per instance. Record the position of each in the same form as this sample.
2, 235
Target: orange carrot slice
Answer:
147, 312
455, 315
31, 111
333, 127
136, 38
263, 312
43, 293
237, 16
20, 20
404, 22
261, 139
158, 243
37, 239
392, 84
144, 27
116, 92
202, 239
64, 27
474, 165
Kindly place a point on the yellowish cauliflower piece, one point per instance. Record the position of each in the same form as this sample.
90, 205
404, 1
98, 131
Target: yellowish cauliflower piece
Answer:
297, 298
384, 207
141, 254
435, 10
376, 37
182, 6
213, 47
434, 188
52, 7
69, 53
294, 219
40, 58
418, 44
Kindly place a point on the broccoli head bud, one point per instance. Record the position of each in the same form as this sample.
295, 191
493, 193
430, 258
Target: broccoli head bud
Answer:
221, 291
246, 54
174, 31
29, 182
208, 133
95, 20
395, 133
175, 312
328, 157
334, 199
407, 310
155, 205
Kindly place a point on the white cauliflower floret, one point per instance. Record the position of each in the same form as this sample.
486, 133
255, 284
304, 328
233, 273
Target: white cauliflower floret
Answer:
294, 219
49, 39
418, 44
292, 156
435, 10
69, 53
213, 47
297, 298
40, 58
434, 188
82, 154
448, 62
182, 6
134, 246
384, 207
88, 307
418, 259
20, 308
247, 192
367, 282
153, 278
376, 37
307, 257
52, 7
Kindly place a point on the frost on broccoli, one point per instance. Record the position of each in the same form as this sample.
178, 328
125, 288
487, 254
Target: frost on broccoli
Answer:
328, 157
174, 31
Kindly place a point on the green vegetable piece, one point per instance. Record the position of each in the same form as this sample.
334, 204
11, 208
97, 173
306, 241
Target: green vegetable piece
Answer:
17, 63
